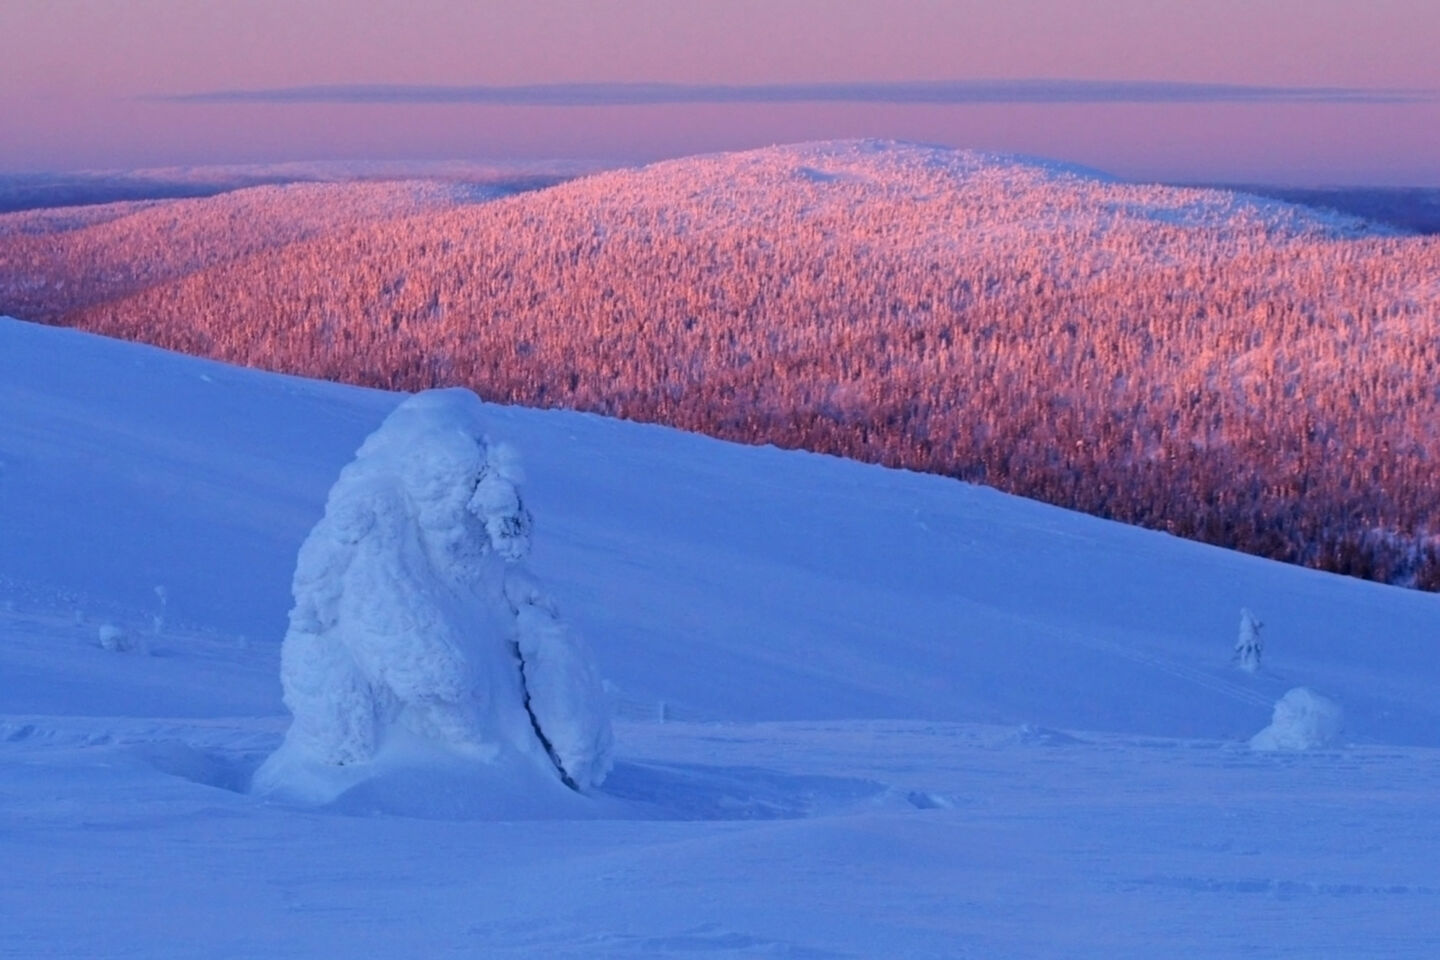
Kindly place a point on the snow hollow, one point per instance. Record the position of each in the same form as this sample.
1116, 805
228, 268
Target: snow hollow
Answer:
860, 712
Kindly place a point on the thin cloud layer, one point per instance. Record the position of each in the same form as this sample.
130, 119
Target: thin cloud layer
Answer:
947, 92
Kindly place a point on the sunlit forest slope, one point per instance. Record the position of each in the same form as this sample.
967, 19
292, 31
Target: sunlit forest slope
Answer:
1232, 369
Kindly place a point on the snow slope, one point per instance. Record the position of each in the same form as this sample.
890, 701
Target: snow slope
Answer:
864, 712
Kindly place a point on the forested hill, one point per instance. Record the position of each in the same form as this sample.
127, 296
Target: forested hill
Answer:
1229, 368
57, 260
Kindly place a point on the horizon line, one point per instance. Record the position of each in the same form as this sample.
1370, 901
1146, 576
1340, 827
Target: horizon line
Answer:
954, 92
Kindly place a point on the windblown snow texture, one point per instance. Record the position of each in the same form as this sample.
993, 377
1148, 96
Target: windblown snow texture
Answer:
414, 616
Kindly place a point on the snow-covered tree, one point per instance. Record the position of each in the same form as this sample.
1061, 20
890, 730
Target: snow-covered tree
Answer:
112, 638
415, 620
157, 623
1248, 645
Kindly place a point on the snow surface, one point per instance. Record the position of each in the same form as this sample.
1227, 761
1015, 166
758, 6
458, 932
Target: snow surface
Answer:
862, 713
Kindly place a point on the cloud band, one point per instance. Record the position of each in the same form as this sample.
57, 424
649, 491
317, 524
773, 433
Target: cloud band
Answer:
947, 92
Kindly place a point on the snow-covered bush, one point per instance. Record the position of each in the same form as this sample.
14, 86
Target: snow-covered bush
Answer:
112, 638
416, 626
1303, 720
1248, 645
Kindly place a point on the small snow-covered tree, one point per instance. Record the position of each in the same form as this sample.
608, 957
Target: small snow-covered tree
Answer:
416, 621
112, 638
157, 623
1248, 645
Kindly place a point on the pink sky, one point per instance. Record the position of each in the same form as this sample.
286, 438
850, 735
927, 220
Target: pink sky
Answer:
73, 72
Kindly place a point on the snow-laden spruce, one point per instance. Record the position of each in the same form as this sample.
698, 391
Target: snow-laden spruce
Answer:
417, 631
1248, 646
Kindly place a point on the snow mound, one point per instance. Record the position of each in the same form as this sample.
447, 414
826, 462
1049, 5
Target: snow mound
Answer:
1303, 720
1032, 735
418, 641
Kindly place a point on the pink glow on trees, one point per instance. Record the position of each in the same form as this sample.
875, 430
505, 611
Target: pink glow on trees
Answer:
1229, 369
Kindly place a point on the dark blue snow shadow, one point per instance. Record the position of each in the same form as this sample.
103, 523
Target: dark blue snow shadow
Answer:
711, 939
1279, 888
690, 791
817, 176
225, 771
634, 790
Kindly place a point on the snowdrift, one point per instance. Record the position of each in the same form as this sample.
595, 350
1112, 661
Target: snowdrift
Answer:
1303, 720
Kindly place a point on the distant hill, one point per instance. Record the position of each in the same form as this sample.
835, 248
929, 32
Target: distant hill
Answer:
1230, 368
59, 260
39, 191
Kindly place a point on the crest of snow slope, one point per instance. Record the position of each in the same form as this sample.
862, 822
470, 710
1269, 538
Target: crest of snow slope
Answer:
727, 582
416, 621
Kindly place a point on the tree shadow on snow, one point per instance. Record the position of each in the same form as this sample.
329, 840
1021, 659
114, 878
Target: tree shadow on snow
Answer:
633, 790
690, 791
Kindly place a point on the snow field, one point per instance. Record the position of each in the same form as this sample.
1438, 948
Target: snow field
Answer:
901, 716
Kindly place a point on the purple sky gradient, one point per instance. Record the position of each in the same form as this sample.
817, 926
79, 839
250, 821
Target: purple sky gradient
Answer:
76, 75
